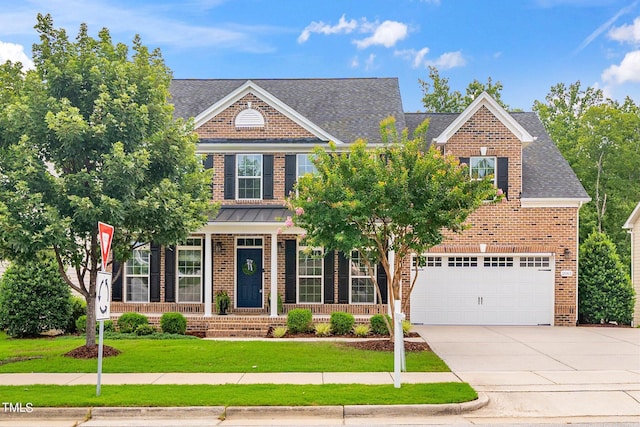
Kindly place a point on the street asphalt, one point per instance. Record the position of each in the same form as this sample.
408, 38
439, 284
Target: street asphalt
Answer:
524, 375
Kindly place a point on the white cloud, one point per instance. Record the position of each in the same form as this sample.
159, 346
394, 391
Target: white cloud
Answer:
627, 71
627, 33
386, 34
602, 28
444, 62
342, 27
369, 64
15, 53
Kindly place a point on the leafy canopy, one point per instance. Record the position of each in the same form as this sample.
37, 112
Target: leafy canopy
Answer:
89, 136
398, 197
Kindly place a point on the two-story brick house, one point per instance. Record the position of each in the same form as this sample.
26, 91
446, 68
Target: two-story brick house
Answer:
257, 136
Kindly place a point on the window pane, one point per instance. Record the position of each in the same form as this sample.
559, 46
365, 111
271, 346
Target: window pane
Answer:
310, 275
305, 165
362, 290
249, 188
137, 275
189, 289
249, 165
310, 290
482, 167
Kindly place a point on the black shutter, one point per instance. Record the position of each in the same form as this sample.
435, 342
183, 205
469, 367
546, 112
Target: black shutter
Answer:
343, 279
267, 176
290, 270
289, 173
170, 274
502, 175
116, 284
329, 274
208, 161
229, 176
381, 277
154, 273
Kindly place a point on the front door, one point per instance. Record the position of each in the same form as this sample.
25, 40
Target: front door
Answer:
249, 274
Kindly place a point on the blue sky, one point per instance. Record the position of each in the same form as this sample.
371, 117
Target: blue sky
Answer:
528, 45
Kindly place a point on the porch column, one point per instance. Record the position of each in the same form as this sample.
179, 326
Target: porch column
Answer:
274, 275
208, 275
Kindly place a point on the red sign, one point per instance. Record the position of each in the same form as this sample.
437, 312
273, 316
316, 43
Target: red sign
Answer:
105, 235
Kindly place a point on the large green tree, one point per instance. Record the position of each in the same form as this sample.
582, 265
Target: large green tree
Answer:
439, 98
600, 138
89, 136
395, 198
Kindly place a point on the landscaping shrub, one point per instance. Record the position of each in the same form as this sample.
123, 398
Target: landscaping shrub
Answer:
406, 327
78, 308
378, 325
173, 323
109, 326
361, 330
33, 298
341, 323
81, 324
299, 320
323, 329
605, 293
279, 331
129, 322
143, 330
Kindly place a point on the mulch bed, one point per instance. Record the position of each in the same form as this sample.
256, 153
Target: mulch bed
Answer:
387, 345
85, 352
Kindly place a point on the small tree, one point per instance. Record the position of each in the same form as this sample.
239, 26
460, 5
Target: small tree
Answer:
397, 197
34, 298
605, 293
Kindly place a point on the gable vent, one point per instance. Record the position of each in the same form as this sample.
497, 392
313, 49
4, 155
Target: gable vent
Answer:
249, 118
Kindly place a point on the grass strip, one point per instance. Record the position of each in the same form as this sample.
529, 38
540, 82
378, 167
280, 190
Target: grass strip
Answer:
47, 355
238, 395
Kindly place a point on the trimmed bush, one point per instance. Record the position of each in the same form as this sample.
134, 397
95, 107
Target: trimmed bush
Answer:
605, 293
299, 320
173, 323
378, 325
81, 324
361, 330
143, 330
341, 323
78, 308
323, 329
109, 326
129, 322
33, 298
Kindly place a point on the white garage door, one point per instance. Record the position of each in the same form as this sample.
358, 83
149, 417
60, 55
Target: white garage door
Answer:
483, 290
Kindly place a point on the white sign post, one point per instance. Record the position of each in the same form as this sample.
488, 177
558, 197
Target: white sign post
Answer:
103, 290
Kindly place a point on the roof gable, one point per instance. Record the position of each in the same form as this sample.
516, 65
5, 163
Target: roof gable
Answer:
633, 218
250, 87
485, 100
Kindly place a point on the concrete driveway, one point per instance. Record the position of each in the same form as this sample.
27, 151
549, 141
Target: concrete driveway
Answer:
545, 373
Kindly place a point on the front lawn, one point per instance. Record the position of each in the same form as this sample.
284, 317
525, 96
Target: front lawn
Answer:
47, 355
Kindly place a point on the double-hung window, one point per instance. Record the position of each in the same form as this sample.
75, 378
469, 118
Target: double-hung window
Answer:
483, 167
362, 287
249, 176
137, 275
190, 270
310, 264
305, 164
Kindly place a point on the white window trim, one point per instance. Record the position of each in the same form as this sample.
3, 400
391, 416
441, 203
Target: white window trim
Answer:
177, 269
495, 167
238, 177
351, 277
299, 276
309, 157
127, 276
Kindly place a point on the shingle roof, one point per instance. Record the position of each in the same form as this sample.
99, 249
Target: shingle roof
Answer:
346, 108
545, 172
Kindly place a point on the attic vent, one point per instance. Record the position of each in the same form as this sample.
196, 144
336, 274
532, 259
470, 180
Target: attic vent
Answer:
249, 118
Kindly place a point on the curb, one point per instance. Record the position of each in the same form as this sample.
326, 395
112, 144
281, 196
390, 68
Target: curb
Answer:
255, 412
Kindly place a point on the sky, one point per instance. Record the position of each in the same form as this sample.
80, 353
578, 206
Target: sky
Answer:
527, 45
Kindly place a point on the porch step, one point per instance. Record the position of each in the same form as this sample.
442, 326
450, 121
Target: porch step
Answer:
242, 326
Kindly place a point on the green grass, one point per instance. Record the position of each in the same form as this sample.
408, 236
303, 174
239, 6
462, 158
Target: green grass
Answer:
239, 395
205, 356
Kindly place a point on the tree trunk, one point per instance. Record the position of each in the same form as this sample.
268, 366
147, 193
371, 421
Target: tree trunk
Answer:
91, 309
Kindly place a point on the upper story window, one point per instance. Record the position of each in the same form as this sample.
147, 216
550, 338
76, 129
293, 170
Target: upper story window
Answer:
305, 164
482, 167
249, 176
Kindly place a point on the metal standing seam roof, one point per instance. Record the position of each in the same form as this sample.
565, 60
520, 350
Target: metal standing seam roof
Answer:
346, 108
545, 172
251, 214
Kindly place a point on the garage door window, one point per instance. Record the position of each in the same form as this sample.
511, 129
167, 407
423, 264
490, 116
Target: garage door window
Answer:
498, 261
534, 261
427, 261
463, 261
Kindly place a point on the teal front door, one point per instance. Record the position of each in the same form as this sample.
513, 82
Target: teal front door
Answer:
249, 274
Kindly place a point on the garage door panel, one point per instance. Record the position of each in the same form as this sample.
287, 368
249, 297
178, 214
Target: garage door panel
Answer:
491, 290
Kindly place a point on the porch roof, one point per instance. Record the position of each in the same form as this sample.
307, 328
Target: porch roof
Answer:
261, 214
